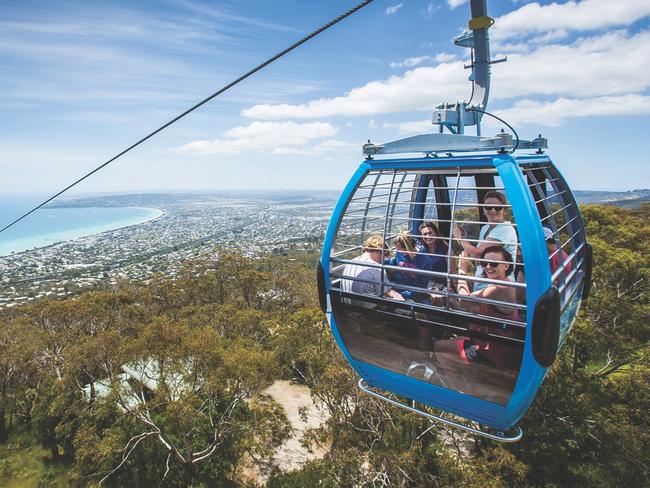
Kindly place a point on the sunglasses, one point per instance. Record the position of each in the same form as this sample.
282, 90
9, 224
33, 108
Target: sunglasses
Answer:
490, 264
496, 209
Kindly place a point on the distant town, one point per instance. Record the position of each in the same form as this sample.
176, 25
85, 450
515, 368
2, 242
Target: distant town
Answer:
193, 226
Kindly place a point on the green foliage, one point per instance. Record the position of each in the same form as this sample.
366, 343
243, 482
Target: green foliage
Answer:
199, 354
208, 342
588, 412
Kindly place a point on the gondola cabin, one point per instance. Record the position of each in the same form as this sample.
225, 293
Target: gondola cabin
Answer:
452, 279
415, 329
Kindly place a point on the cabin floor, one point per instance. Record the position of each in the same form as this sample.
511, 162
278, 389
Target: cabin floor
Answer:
412, 350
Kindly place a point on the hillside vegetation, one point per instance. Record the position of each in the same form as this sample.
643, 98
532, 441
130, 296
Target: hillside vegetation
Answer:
161, 384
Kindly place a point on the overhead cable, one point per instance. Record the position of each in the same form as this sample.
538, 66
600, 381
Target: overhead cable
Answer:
202, 102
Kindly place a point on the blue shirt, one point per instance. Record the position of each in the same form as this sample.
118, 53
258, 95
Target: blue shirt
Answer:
404, 277
430, 263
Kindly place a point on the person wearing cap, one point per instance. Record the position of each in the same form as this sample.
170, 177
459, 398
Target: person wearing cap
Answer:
556, 255
363, 277
496, 231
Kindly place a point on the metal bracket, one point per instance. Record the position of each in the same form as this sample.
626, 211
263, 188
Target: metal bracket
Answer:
432, 143
499, 436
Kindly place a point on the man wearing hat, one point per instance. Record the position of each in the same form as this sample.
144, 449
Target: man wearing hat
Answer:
364, 277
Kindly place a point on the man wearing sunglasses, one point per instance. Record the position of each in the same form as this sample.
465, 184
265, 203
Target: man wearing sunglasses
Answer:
497, 230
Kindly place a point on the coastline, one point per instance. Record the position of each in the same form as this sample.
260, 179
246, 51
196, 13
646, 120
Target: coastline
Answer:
20, 245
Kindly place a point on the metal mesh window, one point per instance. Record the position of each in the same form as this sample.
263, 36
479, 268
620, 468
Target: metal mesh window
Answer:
396, 202
563, 228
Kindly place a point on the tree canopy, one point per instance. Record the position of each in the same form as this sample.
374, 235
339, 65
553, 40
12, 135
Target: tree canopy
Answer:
161, 383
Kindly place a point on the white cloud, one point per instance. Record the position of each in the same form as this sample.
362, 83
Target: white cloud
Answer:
557, 112
614, 63
411, 62
444, 57
417, 60
550, 114
455, 3
264, 137
586, 15
431, 9
414, 127
417, 89
393, 9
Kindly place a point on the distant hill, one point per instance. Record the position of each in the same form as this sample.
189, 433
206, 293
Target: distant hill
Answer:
162, 199
628, 199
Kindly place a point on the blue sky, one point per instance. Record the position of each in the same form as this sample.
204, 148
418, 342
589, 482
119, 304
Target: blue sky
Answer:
80, 81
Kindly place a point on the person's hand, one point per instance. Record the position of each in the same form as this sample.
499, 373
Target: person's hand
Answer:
397, 296
456, 232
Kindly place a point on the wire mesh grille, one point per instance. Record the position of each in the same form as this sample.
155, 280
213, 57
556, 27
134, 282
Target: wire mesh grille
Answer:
393, 204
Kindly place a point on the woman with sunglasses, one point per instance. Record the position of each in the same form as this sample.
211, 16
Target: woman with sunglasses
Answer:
496, 263
496, 231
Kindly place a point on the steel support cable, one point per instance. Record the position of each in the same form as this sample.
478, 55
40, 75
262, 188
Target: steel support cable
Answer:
473, 109
199, 104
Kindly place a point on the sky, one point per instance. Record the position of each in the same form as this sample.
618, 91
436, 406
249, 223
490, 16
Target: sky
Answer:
82, 80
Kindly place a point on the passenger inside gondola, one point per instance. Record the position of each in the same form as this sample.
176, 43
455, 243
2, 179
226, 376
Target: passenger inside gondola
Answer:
405, 260
496, 263
432, 256
497, 230
556, 255
520, 277
364, 277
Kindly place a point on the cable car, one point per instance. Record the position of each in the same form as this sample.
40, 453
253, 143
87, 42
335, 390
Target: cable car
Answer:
453, 277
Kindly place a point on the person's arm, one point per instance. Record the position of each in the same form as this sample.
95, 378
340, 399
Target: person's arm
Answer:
472, 250
462, 285
395, 295
521, 292
462, 288
501, 293
390, 293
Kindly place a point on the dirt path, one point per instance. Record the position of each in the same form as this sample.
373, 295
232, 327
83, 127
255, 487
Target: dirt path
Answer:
292, 455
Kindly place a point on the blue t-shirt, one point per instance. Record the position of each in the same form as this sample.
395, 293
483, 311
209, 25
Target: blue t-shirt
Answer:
402, 277
430, 263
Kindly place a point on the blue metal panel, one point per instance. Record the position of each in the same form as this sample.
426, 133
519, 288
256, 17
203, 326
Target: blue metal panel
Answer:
416, 164
538, 277
435, 396
330, 235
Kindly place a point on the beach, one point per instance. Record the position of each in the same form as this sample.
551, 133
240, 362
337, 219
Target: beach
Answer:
52, 225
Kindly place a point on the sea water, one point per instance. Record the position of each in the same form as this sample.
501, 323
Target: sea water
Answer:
48, 226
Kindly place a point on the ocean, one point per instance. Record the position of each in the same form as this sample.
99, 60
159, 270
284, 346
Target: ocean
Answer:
47, 226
